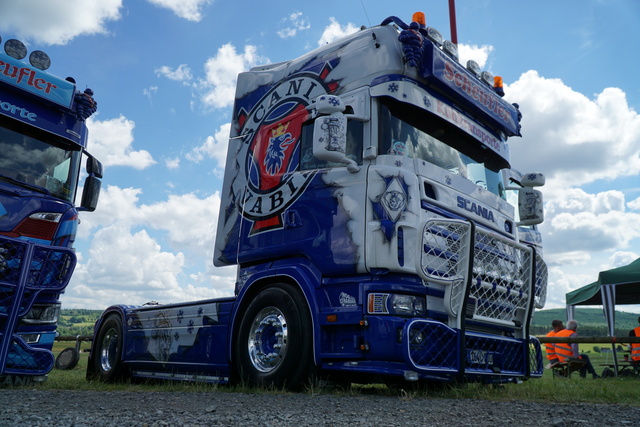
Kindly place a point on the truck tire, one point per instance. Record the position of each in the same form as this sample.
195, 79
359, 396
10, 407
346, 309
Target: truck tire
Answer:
275, 340
107, 357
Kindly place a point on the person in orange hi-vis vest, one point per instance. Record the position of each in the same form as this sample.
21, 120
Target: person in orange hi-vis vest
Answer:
635, 347
566, 351
557, 326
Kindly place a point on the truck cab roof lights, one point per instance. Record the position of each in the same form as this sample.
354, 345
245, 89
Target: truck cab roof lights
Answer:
450, 49
39, 60
497, 85
15, 49
487, 77
435, 36
474, 67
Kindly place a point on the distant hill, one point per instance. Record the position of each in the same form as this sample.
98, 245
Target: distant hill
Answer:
77, 321
591, 321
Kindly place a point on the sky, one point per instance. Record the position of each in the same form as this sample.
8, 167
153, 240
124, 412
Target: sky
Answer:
163, 73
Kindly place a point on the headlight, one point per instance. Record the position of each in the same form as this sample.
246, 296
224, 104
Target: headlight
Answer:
45, 314
396, 304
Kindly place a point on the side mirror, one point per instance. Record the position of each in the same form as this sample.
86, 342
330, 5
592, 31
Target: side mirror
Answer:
90, 193
94, 167
530, 206
534, 179
330, 133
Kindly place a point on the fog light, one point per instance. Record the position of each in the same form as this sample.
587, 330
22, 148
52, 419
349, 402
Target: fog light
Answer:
416, 337
410, 376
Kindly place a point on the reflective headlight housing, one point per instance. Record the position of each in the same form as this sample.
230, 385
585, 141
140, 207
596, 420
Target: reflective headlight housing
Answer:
42, 314
396, 304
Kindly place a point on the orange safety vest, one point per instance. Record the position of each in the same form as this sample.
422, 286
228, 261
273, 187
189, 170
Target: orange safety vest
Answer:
551, 347
635, 347
563, 349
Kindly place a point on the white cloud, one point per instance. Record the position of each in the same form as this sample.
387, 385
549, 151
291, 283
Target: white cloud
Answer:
187, 9
149, 92
126, 263
578, 223
221, 73
574, 140
188, 221
172, 163
116, 204
57, 21
480, 54
180, 74
111, 142
619, 259
215, 147
335, 31
634, 204
296, 23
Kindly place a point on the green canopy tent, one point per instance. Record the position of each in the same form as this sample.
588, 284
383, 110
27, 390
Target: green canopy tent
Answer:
614, 287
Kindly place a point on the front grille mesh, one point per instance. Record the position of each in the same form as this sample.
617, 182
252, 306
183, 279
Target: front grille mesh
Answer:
26, 270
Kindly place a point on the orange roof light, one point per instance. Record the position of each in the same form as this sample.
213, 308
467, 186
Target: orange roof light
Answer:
420, 18
497, 85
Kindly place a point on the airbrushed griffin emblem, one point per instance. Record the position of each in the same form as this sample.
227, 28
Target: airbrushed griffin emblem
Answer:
391, 204
266, 184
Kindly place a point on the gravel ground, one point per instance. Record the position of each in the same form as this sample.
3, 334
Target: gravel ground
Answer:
24, 407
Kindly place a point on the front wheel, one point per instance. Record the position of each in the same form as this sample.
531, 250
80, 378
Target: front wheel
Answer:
107, 359
275, 340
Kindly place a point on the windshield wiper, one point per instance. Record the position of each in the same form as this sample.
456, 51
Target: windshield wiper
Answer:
25, 184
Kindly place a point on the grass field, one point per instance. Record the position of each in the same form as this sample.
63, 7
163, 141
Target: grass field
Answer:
547, 389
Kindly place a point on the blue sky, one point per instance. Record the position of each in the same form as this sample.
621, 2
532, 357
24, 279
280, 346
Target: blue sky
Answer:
163, 73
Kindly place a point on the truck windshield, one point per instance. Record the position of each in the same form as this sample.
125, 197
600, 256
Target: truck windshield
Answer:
406, 130
33, 163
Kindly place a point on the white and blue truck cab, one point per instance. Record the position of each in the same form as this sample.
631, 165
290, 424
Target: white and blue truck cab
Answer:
365, 205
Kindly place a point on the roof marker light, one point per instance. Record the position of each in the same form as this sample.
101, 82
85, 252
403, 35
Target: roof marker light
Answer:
474, 67
15, 49
435, 36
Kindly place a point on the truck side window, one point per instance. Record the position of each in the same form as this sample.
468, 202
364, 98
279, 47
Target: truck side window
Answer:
355, 130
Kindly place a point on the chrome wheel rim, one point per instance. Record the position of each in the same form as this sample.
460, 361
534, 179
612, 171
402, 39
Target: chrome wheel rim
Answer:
267, 343
109, 350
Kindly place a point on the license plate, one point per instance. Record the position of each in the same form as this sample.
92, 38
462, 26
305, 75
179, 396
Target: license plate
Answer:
479, 357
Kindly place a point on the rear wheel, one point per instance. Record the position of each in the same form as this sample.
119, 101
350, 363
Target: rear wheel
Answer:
275, 339
108, 349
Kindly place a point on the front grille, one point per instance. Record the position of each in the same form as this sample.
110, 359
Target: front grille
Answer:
432, 346
542, 274
501, 278
435, 348
500, 285
26, 270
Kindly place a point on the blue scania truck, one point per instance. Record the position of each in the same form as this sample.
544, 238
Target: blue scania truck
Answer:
365, 204
43, 137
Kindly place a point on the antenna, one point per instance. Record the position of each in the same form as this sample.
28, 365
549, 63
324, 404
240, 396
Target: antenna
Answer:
452, 21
